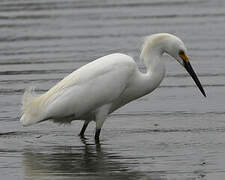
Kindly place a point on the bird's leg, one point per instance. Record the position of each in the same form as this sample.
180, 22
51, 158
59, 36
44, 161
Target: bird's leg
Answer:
100, 117
83, 128
97, 134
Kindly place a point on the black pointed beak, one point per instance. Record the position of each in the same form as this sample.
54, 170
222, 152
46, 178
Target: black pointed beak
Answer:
190, 70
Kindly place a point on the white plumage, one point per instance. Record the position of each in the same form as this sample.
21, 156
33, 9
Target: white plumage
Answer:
102, 86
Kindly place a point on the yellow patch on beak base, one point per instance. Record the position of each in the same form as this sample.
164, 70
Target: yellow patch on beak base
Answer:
183, 56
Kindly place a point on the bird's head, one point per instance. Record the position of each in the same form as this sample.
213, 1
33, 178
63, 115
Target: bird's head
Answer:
176, 48
173, 46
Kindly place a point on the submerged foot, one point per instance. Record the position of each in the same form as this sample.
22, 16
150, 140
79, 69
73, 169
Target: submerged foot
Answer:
97, 141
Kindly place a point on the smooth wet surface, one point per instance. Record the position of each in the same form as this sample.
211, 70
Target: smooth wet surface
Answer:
174, 133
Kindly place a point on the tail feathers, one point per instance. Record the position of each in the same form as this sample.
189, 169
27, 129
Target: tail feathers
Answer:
28, 120
28, 98
31, 108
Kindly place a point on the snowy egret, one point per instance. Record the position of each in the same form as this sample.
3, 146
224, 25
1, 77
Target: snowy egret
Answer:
98, 88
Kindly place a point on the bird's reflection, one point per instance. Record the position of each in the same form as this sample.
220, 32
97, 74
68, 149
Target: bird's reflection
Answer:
88, 161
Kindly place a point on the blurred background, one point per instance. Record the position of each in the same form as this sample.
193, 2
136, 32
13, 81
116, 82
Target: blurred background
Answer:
173, 133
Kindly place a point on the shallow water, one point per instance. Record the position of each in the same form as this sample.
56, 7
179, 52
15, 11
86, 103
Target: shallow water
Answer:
174, 133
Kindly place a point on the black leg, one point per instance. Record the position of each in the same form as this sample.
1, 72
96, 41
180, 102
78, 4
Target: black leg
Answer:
83, 128
97, 134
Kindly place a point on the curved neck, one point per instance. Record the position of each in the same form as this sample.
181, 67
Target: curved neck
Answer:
155, 69
153, 60
144, 83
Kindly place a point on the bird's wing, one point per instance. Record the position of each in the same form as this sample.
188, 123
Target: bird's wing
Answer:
91, 86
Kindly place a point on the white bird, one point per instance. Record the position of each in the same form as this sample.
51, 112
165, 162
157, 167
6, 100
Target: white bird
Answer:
100, 87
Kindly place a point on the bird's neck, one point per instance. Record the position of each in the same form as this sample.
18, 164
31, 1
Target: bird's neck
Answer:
155, 70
